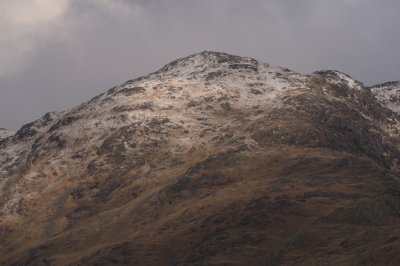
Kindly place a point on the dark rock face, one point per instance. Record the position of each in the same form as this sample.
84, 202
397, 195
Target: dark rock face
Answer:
132, 91
63, 122
215, 159
26, 132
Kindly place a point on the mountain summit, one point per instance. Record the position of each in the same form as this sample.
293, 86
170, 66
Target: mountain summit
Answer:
214, 159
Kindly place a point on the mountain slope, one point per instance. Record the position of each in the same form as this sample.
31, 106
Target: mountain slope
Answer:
388, 94
4, 133
214, 159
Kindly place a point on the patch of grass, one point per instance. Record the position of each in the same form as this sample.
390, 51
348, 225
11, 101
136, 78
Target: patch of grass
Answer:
365, 258
277, 256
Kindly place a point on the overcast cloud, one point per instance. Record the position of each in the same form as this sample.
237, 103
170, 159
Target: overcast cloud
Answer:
55, 54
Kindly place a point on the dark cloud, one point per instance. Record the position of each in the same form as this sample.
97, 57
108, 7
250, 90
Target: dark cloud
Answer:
94, 45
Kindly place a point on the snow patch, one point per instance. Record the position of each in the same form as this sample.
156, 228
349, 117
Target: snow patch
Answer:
388, 94
4, 133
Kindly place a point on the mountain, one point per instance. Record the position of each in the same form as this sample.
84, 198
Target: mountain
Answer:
214, 159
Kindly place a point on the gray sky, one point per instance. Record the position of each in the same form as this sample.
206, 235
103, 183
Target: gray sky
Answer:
57, 54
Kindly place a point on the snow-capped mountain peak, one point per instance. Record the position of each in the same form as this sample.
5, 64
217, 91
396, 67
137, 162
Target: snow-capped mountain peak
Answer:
208, 60
214, 66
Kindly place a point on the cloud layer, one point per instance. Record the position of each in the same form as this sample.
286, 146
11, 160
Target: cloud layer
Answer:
24, 24
56, 54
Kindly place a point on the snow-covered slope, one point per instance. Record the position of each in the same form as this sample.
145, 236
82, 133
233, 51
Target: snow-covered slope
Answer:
4, 133
213, 159
388, 94
187, 92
